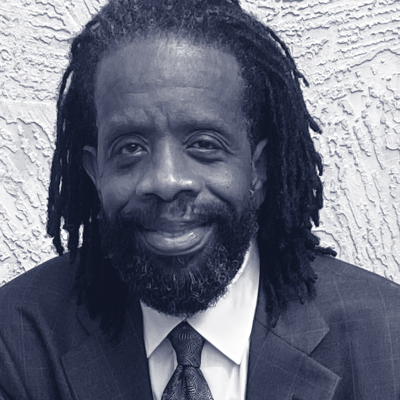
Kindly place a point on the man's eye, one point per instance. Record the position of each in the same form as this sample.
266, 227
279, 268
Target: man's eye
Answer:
204, 145
130, 149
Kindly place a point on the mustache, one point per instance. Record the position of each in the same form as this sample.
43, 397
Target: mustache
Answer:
182, 207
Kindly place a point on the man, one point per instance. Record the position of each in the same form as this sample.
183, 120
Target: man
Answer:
183, 153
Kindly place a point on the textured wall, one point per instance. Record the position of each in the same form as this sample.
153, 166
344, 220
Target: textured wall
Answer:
350, 53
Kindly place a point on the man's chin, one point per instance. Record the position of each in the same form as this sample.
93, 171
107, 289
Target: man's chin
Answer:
185, 242
179, 268
183, 285
180, 285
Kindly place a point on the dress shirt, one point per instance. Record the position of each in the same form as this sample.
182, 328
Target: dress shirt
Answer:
226, 327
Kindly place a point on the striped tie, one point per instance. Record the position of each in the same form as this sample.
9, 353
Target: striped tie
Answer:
187, 381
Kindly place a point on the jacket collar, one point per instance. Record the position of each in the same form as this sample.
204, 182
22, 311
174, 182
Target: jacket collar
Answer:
98, 369
279, 363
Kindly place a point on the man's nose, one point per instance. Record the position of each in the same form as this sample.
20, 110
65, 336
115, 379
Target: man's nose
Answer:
168, 174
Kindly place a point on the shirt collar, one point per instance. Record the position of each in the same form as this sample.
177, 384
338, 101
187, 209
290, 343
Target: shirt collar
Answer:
227, 325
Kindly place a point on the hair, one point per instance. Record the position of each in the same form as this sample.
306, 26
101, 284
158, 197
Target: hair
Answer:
275, 109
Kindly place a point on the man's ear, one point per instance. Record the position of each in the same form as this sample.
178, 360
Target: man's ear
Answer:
89, 161
259, 173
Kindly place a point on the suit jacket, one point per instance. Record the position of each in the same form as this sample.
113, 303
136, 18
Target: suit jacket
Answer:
342, 345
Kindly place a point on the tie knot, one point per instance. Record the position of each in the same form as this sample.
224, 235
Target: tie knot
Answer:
188, 344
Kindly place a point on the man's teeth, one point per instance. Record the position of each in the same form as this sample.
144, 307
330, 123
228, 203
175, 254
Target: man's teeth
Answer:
192, 235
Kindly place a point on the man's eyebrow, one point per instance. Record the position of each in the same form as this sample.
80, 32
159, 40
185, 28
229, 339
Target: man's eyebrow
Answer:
116, 127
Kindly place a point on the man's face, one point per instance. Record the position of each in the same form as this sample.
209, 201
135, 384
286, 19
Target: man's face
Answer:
173, 167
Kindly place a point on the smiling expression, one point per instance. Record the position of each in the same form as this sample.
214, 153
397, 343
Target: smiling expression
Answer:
170, 122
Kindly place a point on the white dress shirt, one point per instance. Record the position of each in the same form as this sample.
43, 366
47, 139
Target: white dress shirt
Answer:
226, 328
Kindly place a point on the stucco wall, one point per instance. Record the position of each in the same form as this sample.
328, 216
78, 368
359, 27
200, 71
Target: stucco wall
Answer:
348, 50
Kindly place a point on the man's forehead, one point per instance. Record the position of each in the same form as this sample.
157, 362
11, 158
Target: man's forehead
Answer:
172, 61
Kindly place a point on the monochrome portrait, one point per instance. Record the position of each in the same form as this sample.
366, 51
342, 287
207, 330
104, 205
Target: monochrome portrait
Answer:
200, 200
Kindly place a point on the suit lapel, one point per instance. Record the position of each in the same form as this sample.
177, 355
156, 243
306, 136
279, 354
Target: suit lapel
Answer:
279, 365
98, 369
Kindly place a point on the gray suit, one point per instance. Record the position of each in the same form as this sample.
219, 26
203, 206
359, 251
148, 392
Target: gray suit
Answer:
343, 345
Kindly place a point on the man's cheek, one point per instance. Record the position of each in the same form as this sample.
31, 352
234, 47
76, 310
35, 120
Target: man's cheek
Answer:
117, 193
232, 185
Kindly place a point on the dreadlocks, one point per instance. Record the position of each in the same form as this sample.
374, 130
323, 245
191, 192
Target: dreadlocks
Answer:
274, 107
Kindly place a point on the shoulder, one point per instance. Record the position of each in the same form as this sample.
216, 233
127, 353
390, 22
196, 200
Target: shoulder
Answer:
38, 325
362, 311
353, 291
52, 279
332, 267
39, 299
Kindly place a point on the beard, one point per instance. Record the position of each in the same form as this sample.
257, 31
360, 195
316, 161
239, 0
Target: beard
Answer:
186, 284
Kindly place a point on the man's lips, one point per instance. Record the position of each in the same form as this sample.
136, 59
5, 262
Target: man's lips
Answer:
172, 238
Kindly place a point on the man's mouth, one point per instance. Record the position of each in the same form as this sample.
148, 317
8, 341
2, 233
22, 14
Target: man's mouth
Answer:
176, 238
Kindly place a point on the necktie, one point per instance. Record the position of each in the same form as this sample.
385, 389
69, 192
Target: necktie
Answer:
187, 382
